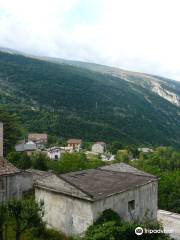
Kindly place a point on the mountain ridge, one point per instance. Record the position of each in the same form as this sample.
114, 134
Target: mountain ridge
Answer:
90, 101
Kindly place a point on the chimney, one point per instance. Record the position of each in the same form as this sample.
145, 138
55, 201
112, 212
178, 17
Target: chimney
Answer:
1, 140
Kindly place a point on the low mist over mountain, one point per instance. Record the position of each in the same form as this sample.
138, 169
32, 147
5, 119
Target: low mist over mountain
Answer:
90, 101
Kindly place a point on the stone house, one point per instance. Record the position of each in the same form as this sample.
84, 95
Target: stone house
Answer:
74, 144
8, 181
99, 147
40, 139
13, 182
73, 201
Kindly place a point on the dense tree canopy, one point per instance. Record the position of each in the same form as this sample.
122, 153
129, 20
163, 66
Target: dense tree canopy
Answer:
12, 129
165, 163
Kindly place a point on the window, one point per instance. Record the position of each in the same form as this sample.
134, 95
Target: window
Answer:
131, 205
56, 157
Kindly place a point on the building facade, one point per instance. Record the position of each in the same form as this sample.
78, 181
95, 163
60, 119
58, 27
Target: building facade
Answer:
99, 147
28, 147
13, 182
74, 144
54, 153
74, 201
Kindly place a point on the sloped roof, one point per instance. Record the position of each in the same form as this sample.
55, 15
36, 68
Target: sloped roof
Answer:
98, 183
122, 167
101, 183
38, 136
6, 168
74, 141
38, 174
29, 146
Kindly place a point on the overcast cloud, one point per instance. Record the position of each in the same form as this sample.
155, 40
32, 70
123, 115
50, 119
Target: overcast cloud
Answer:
139, 35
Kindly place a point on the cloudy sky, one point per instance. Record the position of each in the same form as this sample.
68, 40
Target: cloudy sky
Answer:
139, 35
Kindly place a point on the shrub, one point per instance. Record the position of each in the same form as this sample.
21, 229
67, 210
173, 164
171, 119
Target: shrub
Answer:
110, 227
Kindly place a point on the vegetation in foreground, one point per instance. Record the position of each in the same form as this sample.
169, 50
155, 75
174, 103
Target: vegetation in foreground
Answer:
110, 227
22, 220
165, 164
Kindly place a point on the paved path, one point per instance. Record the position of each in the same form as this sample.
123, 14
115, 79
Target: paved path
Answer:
170, 221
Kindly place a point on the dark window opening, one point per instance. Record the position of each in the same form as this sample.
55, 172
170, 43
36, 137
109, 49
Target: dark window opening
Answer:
131, 205
56, 157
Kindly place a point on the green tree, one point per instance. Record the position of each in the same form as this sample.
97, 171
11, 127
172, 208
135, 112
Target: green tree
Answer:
26, 214
122, 156
3, 218
72, 162
40, 161
24, 161
114, 147
164, 162
12, 129
14, 157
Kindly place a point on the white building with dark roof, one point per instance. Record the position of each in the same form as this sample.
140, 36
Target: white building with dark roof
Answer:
73, 201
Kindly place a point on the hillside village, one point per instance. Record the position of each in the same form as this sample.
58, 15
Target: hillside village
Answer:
37, 142
73, 201
89, 120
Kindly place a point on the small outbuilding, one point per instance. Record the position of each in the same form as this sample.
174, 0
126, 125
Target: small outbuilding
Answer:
74, 201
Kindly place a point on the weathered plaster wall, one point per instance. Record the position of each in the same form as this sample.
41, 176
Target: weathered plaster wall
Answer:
69, 215
145, 203
15, 185
73, 216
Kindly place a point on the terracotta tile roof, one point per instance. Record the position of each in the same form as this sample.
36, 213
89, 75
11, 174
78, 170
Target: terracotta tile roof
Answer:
7, 168
37, 137
74, 141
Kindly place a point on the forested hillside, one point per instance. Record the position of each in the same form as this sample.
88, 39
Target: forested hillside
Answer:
93, 102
